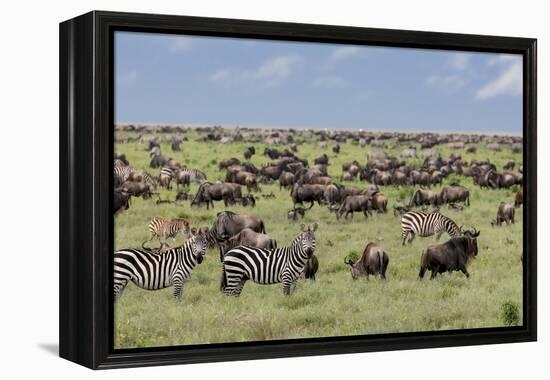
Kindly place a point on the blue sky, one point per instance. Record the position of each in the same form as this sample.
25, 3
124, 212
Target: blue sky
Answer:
211, 80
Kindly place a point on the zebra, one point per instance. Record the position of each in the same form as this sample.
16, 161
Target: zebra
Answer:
425, 224
152, 270
160, 227
268, 266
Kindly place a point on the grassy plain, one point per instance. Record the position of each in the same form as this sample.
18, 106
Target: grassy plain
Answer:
334, 304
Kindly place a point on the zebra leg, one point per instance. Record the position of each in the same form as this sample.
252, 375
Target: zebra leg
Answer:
119, 287
438, 235
411, 238
404, 238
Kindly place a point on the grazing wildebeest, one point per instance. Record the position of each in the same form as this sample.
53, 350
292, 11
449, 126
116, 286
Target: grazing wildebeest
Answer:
249, 238
229, 224
379, 202
509, 165
452, 255
374, 260
286, 180
209, 192
312, 266
519, 198
137, 189
248, 200
455, 193
322, 160
505, 213
307, 193
121, 201
298, 212
224, 164
354, 203
249, 152
425, 197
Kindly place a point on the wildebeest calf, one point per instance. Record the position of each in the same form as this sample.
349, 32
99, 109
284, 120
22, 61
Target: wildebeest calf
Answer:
374, 260
295, 213
450, 256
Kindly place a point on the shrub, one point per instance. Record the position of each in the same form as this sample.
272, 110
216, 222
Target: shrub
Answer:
509, 313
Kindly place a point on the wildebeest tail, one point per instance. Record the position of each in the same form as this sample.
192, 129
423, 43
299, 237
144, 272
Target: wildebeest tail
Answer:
262, 227
223, 280
423, 264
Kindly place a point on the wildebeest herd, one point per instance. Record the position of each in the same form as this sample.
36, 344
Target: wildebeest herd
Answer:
279, 206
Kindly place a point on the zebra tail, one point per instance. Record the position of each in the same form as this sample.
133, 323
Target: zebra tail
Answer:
262, 227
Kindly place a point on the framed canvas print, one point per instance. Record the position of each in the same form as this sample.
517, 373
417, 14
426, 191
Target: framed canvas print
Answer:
239, 189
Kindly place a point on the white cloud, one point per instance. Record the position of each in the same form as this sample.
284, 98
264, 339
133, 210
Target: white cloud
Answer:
508, 82
329, 82
345, 52
449, 83
503, 59
459, 61
268, 75
179, 44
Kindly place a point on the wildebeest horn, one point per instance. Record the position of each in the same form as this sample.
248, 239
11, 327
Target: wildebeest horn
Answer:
348, 261
475, 233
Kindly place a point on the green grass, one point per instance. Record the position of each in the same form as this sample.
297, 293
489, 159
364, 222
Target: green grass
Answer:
334, 304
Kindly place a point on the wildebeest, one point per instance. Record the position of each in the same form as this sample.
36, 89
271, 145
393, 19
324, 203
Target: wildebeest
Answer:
336, 148
209, 192
373, 261
229, 224
249, 152
425, 197
249, 238
519, 198
455, 193
286, 180
295, 213
223, 164
379, 202
307, 193
509, 165
137, 189
322, 160
452, 255
354, 203
505, 213
121, 201
312, 266
248, 200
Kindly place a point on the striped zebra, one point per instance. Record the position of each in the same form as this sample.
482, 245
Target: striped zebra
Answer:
152, 270
268, 266
425, 224
128, 173
166, 228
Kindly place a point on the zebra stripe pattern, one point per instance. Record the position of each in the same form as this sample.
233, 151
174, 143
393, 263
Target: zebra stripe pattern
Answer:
166, 228
152, 270
267, 266
427, 224
195, 175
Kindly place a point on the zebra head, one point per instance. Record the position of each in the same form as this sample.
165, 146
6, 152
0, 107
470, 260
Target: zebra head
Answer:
199, 244
307, 239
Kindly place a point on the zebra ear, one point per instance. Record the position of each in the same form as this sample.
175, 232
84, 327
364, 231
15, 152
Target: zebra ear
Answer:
303, 227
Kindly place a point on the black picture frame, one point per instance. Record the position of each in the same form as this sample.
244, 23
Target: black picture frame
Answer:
86, 156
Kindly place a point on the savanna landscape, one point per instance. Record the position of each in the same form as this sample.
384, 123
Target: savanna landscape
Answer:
332, 304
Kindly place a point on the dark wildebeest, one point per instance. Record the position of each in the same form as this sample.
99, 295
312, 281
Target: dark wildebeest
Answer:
176, 146
224, 164
374, 260
455, 193
509, 165
121, 201
298, 212
137, 189
321, 160
249, 238
229, 224
248, 200
379, 202
307, 193
425, 197
505, 213
450, 256
209, 192
336, 148
249, 152
182, 195
519, 198
286, 180
157, 161
312, 266
354, 203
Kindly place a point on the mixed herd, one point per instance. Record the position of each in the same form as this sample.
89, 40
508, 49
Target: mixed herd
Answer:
248, 252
